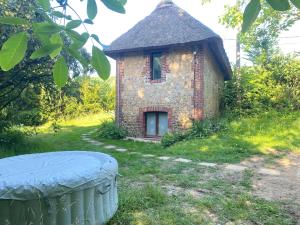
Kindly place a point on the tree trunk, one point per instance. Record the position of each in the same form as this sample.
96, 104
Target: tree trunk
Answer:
238, 67
238, 60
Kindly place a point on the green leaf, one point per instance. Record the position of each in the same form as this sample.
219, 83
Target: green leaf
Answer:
75, 36
56, 39
13, 51
68, 17
45, 4
74, 53
279, 5
80, 42
73, 24
123, 2
46, 28
115, 5
88, 21
92, 9
58, 14
60, 72
100, 63
296, 3
96, 38
44, 51
8, 20
44, 39
251, 13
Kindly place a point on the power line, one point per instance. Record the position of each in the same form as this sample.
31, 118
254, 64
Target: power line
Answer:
234, 39
290, 37
289, 43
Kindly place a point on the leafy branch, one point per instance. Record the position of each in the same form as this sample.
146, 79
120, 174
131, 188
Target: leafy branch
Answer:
14, 48
254, 7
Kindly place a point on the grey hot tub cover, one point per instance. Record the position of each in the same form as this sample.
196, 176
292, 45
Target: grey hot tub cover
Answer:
53, 174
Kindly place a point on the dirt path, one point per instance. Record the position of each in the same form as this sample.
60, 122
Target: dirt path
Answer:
279, 180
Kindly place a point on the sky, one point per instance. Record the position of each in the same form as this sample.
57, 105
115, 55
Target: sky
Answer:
109, 25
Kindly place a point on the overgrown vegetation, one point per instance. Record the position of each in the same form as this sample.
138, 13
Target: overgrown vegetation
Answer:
200, 129
11, 139
110, 130
37, 106
273, 86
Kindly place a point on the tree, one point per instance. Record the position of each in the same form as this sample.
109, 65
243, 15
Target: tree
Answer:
28, 94
15, 48
254, 8
14, 82
261, 41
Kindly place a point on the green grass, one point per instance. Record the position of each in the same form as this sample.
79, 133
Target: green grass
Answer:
263, 134
67, 138
145, 184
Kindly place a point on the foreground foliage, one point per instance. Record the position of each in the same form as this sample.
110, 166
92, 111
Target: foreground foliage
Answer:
14, 49
254, 7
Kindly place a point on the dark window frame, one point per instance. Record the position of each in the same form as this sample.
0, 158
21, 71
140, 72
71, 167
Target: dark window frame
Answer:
156, 123
152, 56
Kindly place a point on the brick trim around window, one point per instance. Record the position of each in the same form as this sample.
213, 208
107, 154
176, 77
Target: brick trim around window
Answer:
141, 120
165, 68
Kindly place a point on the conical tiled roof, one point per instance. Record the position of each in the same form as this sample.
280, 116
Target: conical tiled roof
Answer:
168, 25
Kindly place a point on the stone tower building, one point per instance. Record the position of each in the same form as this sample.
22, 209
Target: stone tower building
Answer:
170, 71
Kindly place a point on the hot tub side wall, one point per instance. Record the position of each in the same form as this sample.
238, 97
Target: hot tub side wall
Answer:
93, 206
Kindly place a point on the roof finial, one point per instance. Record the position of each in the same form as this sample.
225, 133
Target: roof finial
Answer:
164, 3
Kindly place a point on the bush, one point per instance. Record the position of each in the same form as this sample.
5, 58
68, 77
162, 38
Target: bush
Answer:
11, 138
4, 124
29, 118
200, 129
172, 138
205, 128
111, 130
275, 85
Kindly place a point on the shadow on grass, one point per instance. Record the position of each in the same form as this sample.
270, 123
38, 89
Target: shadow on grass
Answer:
68, 138
266, 134
212, 149
244, 138
221, 149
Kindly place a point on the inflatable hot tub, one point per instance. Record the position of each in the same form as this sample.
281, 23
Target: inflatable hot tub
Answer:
59, 188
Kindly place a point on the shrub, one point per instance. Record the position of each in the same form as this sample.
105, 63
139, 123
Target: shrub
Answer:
200, 129
4, 124
11, 138
111, 130
275, 85
205, 128
29, 118
172, 138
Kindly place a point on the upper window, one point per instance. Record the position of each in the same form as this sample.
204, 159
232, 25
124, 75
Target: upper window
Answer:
156, 66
